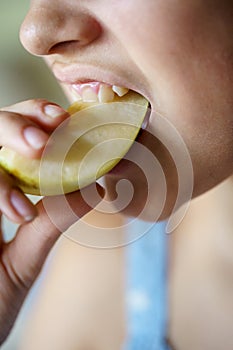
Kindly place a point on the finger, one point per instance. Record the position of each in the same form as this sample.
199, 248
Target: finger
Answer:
21, 135
13, 203
26, 254
22, 258
25, 127
1, 234
42, 112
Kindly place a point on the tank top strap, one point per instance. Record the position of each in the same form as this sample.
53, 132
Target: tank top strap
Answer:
146, 290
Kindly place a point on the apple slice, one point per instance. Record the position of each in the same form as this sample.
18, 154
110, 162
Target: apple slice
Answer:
82, 149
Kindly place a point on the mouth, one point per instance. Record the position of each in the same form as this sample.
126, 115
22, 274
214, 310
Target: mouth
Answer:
99, 92
96, 84
88, 84
95, 91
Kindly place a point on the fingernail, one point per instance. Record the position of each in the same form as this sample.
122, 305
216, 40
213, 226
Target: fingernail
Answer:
54, 111
35, 137
21, 204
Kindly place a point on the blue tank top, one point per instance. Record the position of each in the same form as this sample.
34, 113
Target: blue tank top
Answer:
146, 289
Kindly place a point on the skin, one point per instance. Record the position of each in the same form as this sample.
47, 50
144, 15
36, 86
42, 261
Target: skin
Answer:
22, 258
178, 54
201, 271
183, 69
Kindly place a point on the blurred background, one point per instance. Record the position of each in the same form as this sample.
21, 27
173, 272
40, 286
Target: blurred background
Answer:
22, 77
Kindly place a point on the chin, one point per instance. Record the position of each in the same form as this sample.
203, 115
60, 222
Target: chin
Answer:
134, 195
146, 184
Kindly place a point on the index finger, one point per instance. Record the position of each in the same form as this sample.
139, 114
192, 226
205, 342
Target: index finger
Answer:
45, 114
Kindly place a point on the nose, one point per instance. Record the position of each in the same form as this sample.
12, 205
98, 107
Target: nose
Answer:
47, 31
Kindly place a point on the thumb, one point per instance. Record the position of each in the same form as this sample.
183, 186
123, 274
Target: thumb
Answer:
25, 255
22, 258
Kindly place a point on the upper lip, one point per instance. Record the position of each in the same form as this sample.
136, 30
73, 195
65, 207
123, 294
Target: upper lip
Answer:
78, 74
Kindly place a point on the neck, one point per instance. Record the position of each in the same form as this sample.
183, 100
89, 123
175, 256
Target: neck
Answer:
201, 272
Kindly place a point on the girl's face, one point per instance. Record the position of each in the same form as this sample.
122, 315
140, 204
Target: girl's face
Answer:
177, 53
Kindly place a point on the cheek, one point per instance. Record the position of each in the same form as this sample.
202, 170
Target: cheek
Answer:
180, 46
195, 93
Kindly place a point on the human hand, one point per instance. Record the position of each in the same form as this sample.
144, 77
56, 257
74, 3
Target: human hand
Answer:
22, 259
25, 128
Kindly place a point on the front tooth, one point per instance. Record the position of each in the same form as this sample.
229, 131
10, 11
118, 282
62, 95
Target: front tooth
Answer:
120, 91
105, 94
75, 96
88, 95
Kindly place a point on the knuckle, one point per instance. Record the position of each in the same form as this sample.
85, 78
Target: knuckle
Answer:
17, 280
7, 117
37, 102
